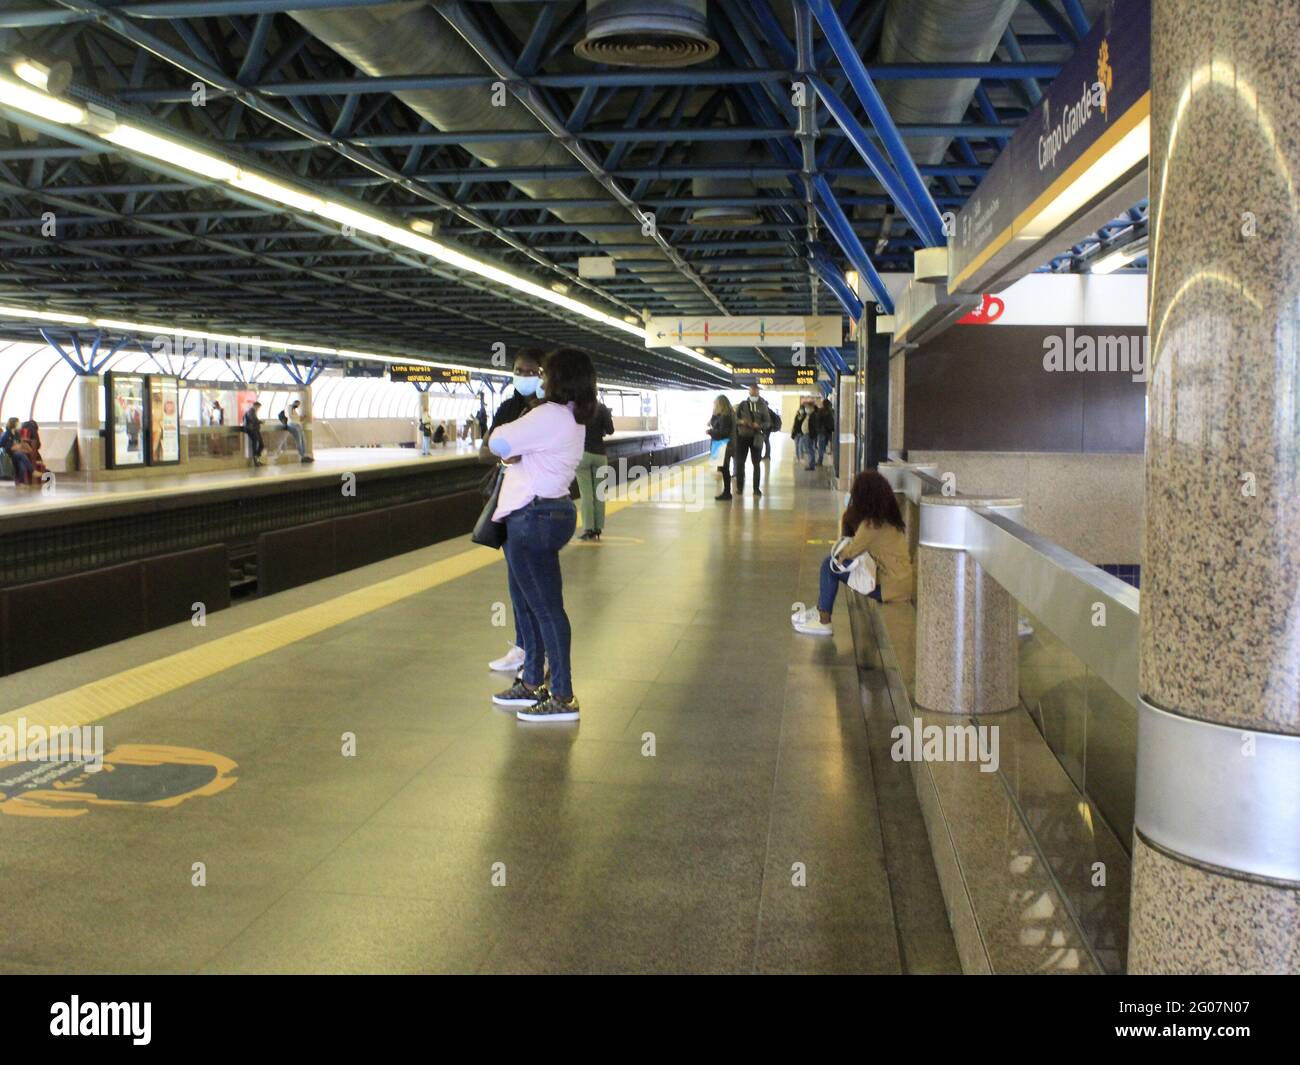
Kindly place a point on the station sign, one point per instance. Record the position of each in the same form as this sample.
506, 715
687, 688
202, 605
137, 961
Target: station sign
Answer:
773, 376
427, 375
792, 331
1081, 145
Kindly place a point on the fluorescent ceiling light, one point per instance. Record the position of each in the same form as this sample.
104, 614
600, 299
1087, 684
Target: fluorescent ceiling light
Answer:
170, 151
39, 104
211, 166
33, 73
49, 316
154, 329
273, 190
1118, 258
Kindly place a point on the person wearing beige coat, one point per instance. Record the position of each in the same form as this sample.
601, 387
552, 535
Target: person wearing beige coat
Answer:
874, 526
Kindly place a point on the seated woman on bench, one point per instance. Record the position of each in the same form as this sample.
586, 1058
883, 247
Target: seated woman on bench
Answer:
873, 526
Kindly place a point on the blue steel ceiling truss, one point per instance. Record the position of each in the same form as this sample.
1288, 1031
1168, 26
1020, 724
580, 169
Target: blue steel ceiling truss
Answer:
833, 184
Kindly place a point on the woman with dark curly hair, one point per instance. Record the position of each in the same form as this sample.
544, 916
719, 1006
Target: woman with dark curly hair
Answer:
541, 451
874, 527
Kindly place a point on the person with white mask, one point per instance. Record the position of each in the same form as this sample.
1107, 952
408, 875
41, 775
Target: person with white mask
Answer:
522, 399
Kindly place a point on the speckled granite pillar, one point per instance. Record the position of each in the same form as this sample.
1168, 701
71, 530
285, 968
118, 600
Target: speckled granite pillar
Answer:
897, 366
1220, 632
966, 655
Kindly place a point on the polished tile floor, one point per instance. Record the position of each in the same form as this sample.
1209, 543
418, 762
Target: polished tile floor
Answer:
715, 810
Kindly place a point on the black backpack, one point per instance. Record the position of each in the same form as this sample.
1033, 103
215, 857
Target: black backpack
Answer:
284, 419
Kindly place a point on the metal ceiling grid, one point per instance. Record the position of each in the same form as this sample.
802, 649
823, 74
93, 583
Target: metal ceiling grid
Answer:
247, 78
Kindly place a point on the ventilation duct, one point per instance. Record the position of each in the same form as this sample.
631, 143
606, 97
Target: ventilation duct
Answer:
647, 33
938, 31
727, 216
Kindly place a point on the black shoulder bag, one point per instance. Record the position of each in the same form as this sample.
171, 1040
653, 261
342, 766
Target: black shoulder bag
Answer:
487, 532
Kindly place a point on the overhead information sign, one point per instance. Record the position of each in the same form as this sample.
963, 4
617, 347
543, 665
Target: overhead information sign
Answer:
772, 376
1089, 132
427, 375
809, 331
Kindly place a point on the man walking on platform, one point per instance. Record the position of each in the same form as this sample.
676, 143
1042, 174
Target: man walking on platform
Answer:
753, 423
822, 422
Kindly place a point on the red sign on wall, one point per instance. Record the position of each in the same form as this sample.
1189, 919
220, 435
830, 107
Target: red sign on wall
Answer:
987, 312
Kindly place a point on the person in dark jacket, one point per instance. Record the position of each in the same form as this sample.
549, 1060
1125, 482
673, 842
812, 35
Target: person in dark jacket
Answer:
11, 445
753, 423
722, 426
527, 375
253, 427
822, 421
591, 473
767, 436
801, 432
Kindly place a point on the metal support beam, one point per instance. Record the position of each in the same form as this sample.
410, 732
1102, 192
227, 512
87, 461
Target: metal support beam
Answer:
842, 229
835, 282
930, 223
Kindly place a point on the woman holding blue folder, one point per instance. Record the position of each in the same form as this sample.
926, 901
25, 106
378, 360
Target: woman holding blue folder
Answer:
722, 429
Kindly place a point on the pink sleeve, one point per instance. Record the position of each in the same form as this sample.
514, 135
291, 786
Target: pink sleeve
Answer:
529, 433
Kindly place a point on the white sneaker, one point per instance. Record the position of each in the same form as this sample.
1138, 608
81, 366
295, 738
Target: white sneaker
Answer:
809, 622
511, 662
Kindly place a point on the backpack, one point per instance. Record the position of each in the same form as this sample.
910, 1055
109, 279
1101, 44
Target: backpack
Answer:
284, 419
776, 422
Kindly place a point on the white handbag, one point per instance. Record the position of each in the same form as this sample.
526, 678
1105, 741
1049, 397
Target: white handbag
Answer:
861, 570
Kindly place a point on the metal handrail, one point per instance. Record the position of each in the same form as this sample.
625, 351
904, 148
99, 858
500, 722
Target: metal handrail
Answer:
1094, 614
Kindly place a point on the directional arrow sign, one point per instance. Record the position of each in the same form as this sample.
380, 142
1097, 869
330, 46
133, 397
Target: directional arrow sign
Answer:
824, 330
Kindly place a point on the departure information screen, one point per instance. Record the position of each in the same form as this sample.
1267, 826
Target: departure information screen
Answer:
770, 376
427, 375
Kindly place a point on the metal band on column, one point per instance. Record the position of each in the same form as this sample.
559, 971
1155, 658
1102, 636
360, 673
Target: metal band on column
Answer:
1225, 796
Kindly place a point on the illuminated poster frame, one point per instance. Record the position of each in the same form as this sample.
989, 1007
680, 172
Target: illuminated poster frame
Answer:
125, 416
164, 426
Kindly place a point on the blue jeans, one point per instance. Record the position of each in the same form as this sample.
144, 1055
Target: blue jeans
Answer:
830, 586
23, 468
821, 442
534, 536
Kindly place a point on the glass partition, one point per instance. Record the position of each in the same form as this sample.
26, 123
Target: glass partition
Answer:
1090, 728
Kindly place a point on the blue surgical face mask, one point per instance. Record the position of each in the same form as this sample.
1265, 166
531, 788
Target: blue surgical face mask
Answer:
541, 392
527, 386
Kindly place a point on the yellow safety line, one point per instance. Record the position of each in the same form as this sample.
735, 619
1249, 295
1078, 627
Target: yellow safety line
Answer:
108, 695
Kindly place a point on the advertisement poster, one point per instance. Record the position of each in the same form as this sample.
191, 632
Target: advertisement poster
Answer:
125, 408
164, 420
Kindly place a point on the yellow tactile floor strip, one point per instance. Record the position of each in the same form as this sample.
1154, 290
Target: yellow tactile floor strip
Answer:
108, 695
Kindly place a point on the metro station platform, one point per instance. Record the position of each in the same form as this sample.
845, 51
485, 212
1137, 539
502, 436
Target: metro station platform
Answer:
717, 809
75, 492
